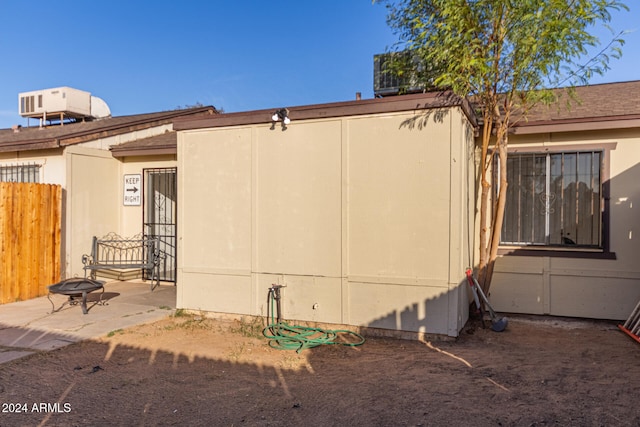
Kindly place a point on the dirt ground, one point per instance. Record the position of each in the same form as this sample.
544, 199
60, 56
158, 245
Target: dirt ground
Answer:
190, 370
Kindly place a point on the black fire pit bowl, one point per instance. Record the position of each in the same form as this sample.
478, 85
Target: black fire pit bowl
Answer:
75, 288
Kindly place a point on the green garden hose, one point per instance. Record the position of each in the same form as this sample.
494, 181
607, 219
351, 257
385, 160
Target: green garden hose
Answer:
282, 336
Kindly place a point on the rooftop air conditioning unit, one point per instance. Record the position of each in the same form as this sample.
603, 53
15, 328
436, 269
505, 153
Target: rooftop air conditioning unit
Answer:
61, 103
387, 82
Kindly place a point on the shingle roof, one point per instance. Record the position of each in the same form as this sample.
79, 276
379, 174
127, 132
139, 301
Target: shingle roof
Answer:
165, 143
31, 138
600, 106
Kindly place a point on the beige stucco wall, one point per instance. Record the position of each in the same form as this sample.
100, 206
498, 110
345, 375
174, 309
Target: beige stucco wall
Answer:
92, 206
52, 170
593, 288
94, 199
360, 218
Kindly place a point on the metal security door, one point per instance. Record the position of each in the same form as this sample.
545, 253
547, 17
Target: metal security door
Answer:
160, 216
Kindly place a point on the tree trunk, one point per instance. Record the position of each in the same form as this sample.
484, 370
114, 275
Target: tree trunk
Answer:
497, 214
485, 198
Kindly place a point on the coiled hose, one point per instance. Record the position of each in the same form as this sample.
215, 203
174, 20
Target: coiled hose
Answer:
282, 336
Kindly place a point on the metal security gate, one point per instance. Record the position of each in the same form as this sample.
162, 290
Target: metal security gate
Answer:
160, 216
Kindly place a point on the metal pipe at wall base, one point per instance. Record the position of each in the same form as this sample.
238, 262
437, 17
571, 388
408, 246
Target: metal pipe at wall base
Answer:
282, 336
274, 293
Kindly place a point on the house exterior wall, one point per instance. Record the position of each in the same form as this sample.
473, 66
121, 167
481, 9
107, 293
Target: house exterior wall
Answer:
582, 287
91, 175
132, 216
51, 162
92, 180
95, 199
361, 218
92, 205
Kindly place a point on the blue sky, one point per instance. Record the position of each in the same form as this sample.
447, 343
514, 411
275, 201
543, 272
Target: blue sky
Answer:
146, 56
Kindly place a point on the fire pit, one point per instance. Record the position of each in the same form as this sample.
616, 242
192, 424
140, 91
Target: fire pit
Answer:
77, 290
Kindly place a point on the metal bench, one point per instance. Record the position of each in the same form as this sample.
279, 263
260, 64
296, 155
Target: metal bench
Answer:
113, 252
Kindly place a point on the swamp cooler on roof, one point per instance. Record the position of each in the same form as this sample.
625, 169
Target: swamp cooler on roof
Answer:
62, 103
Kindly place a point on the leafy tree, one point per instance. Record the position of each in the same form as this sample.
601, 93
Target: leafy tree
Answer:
507, 55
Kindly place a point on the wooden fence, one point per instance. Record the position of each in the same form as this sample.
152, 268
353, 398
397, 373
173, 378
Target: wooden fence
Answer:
30, 222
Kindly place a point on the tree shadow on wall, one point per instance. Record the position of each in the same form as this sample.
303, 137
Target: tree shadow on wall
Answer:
436, 110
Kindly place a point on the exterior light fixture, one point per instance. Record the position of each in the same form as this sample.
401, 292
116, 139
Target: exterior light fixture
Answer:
281, 115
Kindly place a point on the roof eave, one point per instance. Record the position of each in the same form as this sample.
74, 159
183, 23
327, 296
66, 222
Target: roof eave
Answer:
124, 128
425, 101
578, 125
43, 144
144, 152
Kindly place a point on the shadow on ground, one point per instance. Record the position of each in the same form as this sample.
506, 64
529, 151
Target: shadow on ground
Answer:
197, 371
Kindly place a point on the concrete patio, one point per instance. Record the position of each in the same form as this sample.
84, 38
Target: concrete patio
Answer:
30, 326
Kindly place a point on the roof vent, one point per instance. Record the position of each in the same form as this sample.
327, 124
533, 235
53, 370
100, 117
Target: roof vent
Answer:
62, 103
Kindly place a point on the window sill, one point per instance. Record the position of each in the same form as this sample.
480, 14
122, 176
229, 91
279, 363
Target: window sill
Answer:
556, 253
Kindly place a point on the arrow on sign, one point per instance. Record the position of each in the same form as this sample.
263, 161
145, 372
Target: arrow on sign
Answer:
134, 189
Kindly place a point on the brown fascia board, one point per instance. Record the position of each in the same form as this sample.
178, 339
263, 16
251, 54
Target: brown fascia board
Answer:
424, 101
42, 144
142, 123
578, 124
144, 151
